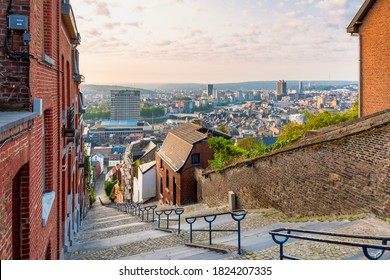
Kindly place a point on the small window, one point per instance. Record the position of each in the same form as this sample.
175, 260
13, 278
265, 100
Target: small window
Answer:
195, 158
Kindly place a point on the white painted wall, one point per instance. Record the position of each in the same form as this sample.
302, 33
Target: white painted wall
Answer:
99, 158
145, 185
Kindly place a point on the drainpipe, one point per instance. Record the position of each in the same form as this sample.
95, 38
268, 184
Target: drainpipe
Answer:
360, 77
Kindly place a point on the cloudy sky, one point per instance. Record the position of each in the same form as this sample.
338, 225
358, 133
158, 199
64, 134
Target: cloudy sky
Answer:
213, 41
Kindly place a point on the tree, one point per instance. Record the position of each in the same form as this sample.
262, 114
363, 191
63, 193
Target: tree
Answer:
151, 112
109, 189
248, 143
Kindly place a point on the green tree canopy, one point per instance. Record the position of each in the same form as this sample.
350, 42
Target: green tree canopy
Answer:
150, 112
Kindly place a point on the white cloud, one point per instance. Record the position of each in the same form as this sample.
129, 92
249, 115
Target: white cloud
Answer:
332, 4
164, 43
304, 3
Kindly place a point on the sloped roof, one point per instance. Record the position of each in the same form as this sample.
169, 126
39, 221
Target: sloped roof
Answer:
179, 142
175, 151
189, 132
140, 148
147, 166
353, 27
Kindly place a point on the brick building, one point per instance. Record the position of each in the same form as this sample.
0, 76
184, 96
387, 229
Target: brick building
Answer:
41, 176
185, 149
372, 25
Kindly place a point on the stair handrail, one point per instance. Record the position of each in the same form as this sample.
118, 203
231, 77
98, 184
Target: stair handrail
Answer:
237, 215
365, 246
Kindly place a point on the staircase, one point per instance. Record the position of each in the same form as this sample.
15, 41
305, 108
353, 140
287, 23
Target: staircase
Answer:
107, 233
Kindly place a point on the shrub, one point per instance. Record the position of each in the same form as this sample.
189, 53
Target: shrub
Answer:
109, 186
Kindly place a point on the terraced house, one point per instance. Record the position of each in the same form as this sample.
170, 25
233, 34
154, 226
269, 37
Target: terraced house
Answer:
41, 177
184, 150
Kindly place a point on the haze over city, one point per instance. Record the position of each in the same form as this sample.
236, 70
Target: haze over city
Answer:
216, 41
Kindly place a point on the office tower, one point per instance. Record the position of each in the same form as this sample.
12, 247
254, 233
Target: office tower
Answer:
299, 91
281, 89
300, 87
209, 90
125, 105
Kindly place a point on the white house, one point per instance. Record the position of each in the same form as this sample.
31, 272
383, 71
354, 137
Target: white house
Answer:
145, 184
100, 158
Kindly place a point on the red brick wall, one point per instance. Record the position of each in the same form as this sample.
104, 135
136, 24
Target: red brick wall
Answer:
12, 157
50, 83
375, 81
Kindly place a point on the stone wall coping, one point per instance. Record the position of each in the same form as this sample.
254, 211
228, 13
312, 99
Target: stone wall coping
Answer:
10, 120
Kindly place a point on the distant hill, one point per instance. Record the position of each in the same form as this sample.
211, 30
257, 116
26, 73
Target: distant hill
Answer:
244, 86
252, 85
105, 89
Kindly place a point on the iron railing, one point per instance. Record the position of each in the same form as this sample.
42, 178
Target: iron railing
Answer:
145, 211
286, 233
168, 218
237, 215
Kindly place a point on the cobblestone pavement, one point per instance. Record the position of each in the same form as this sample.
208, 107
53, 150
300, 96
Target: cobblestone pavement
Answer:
108, 234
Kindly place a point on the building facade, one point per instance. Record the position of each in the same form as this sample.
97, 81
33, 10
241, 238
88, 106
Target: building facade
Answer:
42, 179
120, 132
372, 25
125, 105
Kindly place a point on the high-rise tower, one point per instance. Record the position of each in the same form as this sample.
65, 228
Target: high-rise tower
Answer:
209, 89
125, 105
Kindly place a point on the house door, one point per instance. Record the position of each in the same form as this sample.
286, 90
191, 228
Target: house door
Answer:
174, 191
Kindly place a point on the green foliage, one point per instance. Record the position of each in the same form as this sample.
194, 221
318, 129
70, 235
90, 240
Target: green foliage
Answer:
108, 187
151, 112
96, 113
248, 143
224, 151
135, 167
293, 131
112, 195
92, 198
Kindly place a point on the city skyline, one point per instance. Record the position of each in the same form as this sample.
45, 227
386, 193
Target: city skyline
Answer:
181, 41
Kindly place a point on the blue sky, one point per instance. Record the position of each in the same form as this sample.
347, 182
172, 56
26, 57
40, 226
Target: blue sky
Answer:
213, 41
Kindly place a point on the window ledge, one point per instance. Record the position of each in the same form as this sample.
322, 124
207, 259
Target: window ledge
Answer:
47, 203
48, 59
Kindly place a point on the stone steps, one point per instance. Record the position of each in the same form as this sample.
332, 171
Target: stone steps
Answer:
179, 253
115, 218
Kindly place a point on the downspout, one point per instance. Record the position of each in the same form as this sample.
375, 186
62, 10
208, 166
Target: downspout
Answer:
360, 77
